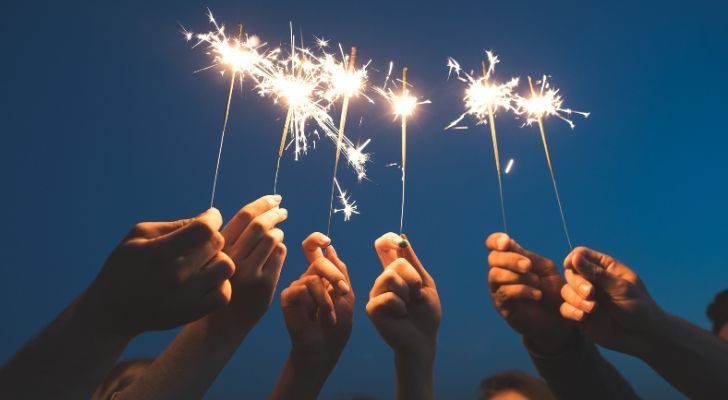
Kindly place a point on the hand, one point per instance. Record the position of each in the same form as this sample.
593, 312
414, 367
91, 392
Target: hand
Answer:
256, 246
403, 304
162, 275
526, 291
319, 307
609, 301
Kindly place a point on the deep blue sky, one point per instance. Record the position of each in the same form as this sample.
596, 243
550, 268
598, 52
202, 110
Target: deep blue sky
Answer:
104, 124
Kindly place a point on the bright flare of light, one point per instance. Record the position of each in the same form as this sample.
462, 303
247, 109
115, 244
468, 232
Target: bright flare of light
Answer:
340, 80
348, 207
234, 54
483, 95
545, 102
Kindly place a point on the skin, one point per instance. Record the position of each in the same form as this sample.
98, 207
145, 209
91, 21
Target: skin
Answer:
163, 274
525, 288
188, 367
318, 309
405, 308
723, 332
625, 318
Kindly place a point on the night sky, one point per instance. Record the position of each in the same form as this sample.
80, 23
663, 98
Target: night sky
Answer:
104, 124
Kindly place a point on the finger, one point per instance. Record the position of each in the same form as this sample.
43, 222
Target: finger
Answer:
508, 293
214, 299
409, 274
192, 245
313, 244
321, 296
390, 281
240, 221
386, 305
264, 248
408, 253
333, 256
581, 286
570, 312
509, 260
598, 268
498, 277
297, 295
212, 275
272, 267
324, 268
386, 247
256, 229
500, 241
571, 297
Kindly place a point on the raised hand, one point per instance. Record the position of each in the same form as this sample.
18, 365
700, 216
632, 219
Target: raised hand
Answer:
318, 309
525, 288
162, 275
405, 308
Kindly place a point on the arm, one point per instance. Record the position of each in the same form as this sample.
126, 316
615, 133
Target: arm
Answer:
405, 308
628, 320
318, 309
526, 290
189, 366
146, 284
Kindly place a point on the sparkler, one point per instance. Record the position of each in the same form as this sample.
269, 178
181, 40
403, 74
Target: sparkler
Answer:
483, 98
547, 102
347, 83
403, 106
237, 56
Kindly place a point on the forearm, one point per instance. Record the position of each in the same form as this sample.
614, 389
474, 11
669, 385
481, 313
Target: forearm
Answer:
67, 360
303, 377
415, 377
689, 358
578, 369
189, 366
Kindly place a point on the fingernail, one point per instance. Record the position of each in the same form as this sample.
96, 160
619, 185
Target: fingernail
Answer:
579, 314
398, 241
332, 315
418, 294
524, 264
327, 239
275, 199
218, 240
537, 294
403, 244
343, 287
589, 304
585, 289
283, 213
503, 241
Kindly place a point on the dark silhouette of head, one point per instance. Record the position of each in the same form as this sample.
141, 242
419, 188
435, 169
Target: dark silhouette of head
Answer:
718, 314
514, 385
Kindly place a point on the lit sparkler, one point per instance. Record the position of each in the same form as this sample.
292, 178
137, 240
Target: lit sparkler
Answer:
403, 106
547, 102
483, 98
239, 57
344, 80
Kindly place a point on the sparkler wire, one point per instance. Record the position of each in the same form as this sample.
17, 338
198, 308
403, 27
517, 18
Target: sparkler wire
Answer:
551, 170
491, 122
224, 126
404, 147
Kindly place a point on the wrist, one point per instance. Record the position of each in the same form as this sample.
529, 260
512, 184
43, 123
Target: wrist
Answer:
415, 375
86, 316
316, 360
553, 342
659, 331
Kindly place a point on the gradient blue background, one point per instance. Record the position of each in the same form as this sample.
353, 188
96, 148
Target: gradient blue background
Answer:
104, 124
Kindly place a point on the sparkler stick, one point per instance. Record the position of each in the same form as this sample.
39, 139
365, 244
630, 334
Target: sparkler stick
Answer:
342, 126
539, 118
404, 147
224, 124
491, 122
280, 149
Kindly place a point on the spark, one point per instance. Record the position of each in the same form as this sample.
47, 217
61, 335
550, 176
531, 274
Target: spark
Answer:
509, 166
348, 207
321, 43
544, 103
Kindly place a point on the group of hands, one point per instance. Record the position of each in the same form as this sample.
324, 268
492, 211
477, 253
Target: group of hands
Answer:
167, 274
